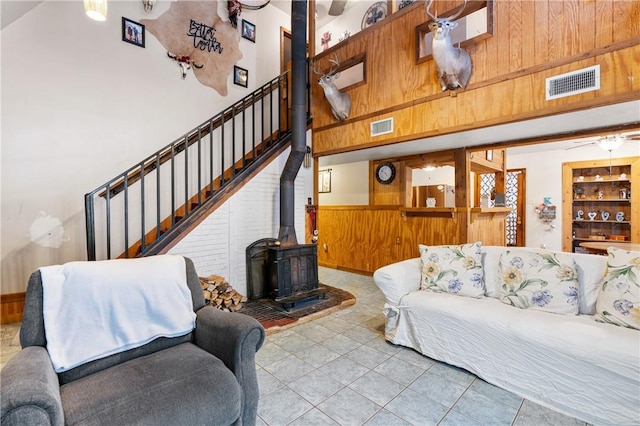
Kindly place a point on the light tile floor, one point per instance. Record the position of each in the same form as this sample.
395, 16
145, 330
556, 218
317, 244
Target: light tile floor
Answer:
339, 370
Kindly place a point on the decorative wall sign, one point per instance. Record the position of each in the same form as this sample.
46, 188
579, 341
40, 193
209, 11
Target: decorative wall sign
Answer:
248, 31
132, 32
240, 76
195, 30
375, 13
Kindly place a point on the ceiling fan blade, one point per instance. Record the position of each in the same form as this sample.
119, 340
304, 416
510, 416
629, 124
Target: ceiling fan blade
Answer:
580, 146
337, 7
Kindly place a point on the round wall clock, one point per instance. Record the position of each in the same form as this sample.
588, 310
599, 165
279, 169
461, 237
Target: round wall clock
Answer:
375, 13
385, 173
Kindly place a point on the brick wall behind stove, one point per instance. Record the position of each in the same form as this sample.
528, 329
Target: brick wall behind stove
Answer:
218, 244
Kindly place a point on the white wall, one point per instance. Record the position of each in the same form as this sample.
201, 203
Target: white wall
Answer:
445, 175
544, 179
80, 106
350, 20
349, 185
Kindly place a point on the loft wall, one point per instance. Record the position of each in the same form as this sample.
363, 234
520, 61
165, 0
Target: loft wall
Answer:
79, 106
532, 40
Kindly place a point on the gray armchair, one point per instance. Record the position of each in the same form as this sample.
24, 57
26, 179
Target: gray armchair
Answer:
205, 377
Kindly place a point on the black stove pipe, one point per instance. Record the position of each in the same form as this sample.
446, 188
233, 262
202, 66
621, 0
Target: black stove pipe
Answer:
287, 232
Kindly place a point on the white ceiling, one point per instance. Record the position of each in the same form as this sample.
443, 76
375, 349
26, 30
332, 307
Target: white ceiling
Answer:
11, 10
322, 9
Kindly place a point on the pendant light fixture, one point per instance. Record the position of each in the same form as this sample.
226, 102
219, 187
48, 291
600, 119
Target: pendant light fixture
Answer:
96, 9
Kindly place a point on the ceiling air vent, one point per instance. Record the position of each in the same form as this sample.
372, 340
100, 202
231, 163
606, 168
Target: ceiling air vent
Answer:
382, 127
572, 83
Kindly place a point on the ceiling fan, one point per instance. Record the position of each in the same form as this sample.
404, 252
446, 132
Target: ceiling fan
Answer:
337, 7
607, 143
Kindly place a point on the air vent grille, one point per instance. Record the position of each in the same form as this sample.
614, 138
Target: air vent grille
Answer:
382, 127
572, 83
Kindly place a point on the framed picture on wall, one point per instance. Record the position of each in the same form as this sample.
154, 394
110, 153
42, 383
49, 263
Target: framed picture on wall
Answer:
248, 31
324, 181
132, 32
240, 76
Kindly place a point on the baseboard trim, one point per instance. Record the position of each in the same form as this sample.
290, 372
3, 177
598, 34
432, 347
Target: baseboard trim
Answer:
11, 307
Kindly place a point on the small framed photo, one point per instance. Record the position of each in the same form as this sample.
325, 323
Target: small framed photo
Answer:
240, 76
248, 31
132, 32
324, 181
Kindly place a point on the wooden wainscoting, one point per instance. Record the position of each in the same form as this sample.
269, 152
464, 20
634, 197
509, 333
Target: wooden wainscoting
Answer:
12, 306
365, 238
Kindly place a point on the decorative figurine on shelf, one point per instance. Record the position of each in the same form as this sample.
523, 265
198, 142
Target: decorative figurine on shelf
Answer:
600, 194
578, 192
604, 215
324, 41
344, 35
623, 193
620, 216
580, 215
592, 215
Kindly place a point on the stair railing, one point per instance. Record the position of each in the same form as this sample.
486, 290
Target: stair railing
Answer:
134, 211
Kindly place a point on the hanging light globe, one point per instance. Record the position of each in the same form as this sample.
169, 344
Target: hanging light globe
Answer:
96, 9
610, 143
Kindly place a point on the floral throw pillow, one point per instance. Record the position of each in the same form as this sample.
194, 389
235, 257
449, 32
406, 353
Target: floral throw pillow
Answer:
452, 269
544, 281
619, 296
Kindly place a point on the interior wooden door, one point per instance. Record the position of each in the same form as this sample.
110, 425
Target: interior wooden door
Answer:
515, 198
285, 64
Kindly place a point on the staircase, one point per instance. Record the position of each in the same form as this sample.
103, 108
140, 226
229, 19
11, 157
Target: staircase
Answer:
142, 210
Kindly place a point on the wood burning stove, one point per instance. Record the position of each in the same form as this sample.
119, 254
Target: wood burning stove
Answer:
289, 275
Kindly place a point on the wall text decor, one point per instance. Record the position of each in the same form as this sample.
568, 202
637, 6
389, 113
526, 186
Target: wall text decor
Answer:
195, 30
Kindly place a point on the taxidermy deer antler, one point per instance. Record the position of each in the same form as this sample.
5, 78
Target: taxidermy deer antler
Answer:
453, 64
340, 102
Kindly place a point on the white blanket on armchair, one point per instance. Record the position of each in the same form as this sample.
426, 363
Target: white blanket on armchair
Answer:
94, 309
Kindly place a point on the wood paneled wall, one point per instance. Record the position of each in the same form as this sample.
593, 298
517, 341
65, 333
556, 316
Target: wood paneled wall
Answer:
360, 238
532, 40
365, 238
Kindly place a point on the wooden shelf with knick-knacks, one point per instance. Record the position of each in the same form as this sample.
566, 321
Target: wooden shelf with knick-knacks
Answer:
597, 202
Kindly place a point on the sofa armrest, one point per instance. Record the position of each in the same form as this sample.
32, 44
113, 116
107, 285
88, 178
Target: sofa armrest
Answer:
234, 338
30, 390
398, 279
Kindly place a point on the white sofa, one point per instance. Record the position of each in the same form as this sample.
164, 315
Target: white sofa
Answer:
570, 363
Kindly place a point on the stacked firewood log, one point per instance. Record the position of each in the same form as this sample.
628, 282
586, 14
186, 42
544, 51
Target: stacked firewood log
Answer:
218, 293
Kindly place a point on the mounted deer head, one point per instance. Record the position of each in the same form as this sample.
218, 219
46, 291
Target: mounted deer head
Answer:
340, 102
453, 64
185, 63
